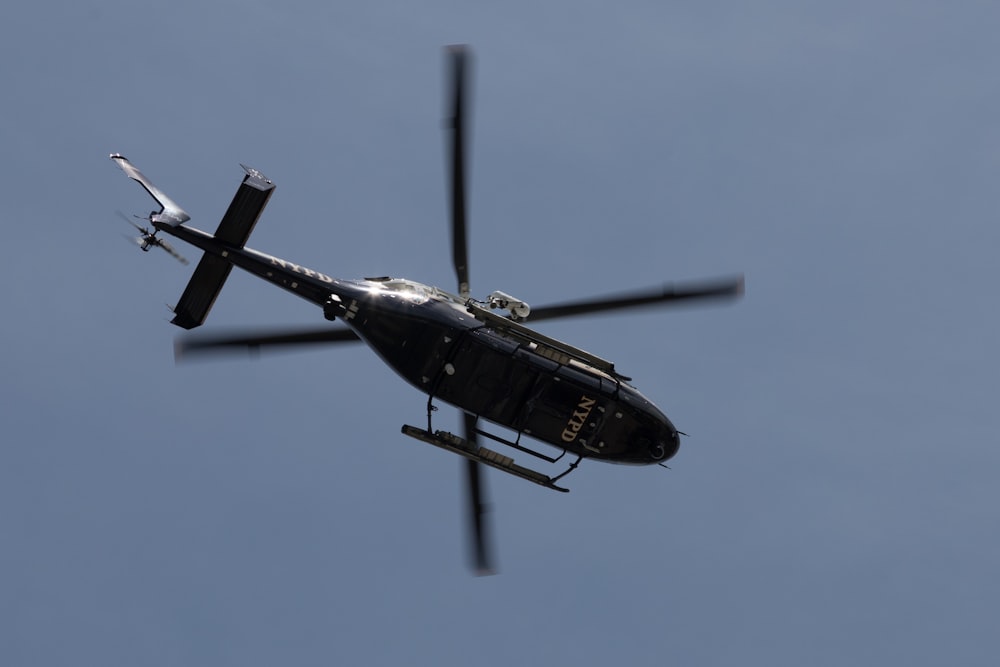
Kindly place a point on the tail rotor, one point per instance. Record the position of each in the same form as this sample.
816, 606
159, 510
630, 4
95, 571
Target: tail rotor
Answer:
147, 238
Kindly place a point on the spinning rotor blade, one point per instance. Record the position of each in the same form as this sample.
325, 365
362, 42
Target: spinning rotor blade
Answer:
134, 240
726, 288
460, 58
479, 545
139, 228
149, 238
170, 250
221, 345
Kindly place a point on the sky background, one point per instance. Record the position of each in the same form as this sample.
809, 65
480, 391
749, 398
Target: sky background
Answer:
836, 502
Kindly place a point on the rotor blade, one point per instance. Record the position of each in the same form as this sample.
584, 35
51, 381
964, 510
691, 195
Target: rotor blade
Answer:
460, 58
132, 222
170, 250
480, 552
252, 342
723, 288
134, 240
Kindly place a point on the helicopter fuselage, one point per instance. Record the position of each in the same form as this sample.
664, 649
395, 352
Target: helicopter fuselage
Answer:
457, 351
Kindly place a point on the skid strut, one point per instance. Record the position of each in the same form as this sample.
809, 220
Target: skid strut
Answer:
461, 446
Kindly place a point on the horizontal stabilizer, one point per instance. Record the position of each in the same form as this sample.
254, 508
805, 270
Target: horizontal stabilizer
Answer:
201, 291
213, 269
245, 209
170, 213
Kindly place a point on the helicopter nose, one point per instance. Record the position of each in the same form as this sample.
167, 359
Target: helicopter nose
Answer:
666, 445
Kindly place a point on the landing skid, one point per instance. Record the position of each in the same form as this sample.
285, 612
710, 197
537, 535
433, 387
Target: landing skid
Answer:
461, 446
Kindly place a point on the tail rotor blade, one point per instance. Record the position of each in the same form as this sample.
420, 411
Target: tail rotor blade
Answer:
170, 250
134, 240
459, 64
141, 229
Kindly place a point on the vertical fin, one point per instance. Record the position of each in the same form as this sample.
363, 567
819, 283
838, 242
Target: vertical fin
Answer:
170, 213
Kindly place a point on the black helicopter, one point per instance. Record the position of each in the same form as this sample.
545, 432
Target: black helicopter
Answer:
453, 348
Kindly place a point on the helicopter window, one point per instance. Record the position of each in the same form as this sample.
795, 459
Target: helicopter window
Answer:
448, 296
587, 368
407, 289
581, 375
490, 338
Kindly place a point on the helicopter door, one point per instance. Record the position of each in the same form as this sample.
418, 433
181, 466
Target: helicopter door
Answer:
566, 407
483, 378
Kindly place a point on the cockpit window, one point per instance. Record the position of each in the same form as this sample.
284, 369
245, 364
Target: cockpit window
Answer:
407, 289
413, 291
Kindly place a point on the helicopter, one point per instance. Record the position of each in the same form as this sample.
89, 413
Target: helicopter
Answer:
477, 355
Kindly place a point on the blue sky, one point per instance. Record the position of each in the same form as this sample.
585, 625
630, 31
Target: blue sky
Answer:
836, 501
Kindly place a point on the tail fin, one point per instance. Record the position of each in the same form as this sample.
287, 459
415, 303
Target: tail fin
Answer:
170, 213
234, 229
